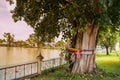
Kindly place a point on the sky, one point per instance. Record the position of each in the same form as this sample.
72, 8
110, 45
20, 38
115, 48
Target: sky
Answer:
20, 29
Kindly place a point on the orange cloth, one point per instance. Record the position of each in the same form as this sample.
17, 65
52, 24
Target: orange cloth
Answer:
72, 49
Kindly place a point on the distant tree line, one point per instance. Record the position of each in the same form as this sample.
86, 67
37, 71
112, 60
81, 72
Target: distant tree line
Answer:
32, 41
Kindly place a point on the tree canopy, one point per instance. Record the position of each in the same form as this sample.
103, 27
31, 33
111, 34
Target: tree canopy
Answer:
50, 17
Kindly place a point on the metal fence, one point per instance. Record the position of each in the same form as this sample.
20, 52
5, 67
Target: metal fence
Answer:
18, 71
23, 70
50, 63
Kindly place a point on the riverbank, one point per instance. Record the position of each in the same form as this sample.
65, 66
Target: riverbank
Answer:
33, 47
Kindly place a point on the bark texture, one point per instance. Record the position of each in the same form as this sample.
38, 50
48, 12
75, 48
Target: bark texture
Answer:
86, 40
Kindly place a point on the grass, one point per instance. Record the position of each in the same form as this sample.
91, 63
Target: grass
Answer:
108, 69
109, 63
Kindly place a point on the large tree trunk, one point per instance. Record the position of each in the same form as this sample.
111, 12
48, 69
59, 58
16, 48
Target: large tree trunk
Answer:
86, 40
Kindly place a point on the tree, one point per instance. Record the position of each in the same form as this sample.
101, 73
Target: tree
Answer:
9, 38
108, 38
79, 20
60, 44
20, 43
33, 39
1, 41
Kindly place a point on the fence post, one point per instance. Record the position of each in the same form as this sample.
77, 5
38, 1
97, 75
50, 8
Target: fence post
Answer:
61, 58
40, 58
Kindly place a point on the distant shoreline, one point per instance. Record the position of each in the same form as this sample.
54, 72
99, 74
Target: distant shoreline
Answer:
36, 47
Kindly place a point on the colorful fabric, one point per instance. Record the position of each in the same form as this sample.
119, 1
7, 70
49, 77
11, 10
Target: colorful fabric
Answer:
79, 53
74, 57
72, 49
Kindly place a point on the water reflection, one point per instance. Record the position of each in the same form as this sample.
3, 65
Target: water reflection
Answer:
17, 55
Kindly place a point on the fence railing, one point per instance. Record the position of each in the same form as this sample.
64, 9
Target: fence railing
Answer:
50, 63
23, 70
18, 71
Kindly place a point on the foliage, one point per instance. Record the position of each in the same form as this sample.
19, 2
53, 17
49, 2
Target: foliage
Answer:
20, 43
48, 45
59, 44
108, 37
45, 72
9, 38
33, 39
2, 40
65, 53
50, 17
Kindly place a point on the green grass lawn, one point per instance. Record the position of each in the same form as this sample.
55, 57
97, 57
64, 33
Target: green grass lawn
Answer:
108, 69
109, 63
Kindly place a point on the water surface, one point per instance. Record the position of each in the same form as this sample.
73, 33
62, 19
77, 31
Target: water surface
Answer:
18, 55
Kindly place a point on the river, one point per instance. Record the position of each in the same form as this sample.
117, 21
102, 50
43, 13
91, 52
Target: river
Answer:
10, 56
